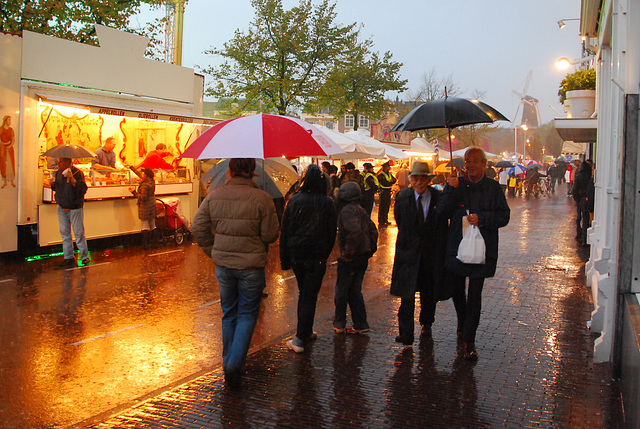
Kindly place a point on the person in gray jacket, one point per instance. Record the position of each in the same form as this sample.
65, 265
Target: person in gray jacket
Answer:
357, 240
234, 226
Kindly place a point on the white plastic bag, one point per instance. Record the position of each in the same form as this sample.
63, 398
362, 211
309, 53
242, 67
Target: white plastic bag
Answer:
472, 248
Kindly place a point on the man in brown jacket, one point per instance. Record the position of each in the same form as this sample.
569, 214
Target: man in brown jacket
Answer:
234, 226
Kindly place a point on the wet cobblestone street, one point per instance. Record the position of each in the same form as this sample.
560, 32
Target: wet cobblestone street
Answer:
535, 369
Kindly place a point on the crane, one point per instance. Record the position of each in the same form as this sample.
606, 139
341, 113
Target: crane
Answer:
174, 19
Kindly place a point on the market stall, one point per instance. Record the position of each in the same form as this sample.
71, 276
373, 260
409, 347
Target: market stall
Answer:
81, 94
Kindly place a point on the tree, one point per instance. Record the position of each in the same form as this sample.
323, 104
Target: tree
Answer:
284, 57
71, 20
476, 134
358, 87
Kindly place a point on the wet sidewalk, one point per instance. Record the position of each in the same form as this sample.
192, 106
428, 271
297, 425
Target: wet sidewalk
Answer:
535, 368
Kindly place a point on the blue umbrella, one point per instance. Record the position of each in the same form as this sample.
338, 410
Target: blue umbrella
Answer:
518, 169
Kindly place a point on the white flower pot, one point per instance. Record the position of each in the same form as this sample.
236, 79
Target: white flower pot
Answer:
580, 103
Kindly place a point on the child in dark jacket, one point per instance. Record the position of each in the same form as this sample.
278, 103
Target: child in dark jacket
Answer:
357, 240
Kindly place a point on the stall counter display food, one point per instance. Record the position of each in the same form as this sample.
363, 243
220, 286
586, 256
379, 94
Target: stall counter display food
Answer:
115, 184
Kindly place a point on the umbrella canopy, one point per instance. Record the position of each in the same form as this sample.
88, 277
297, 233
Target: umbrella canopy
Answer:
69, 151
448, 112
517, 169
442, 168
261, 136
279, 176
457, 162
504, 164
533, 164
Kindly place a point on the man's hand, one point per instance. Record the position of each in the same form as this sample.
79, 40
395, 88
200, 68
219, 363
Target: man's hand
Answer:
473, 219
452, 180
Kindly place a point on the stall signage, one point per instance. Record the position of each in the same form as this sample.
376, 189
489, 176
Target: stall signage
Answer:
107, 111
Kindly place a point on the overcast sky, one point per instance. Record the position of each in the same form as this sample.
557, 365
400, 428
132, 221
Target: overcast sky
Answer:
487, 45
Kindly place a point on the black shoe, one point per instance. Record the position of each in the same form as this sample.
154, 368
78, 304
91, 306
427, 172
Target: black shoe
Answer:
404, 340
85, 262
426, 331
67, 263
470, 352
233, 379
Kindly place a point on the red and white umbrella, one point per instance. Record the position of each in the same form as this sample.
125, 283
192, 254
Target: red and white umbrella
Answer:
262, 136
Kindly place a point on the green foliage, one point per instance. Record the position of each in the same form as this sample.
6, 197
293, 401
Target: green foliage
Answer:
582, 79
358, 87
284, 57
71, 20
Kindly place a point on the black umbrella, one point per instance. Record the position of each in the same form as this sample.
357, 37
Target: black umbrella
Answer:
504, 164
69, 151
448, 112
457, 162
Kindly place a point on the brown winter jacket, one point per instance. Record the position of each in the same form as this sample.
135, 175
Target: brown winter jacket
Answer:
146, 195
235, 224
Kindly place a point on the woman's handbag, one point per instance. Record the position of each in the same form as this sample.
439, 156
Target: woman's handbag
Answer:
472, 248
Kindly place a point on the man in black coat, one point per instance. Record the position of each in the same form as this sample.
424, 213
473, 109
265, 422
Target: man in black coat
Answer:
420, 251
481, 201
583, 196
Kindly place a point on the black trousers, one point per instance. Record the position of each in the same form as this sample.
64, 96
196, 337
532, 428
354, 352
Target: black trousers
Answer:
468, 305
385, 204
424, 285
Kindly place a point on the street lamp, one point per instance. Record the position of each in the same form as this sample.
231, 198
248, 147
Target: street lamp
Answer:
524, 150
564, 62
561, 23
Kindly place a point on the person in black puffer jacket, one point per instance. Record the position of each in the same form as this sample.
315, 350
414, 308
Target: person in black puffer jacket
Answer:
357, 239
307, 236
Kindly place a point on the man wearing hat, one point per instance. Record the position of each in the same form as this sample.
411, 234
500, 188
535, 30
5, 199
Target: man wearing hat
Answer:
369, 187
420, 252
386, 180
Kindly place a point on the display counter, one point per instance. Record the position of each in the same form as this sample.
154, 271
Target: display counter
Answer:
103, 184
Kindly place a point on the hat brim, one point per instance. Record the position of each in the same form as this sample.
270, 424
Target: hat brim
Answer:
421, 174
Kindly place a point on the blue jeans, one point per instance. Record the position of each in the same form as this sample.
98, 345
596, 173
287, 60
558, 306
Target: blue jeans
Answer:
68, 219
349, 291
240, 294
309, 275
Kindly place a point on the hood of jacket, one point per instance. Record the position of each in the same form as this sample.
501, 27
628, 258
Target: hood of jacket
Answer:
349, 192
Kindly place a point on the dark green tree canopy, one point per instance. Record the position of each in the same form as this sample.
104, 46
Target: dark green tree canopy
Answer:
358, 86
284, 57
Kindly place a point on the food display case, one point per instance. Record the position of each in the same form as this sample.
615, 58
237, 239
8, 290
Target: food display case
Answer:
102, 184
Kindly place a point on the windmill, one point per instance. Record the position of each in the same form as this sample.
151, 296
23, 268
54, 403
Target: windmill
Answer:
530, 115
529, 104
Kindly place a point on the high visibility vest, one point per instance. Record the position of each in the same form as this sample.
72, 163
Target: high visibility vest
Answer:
389, 178
364, 178
512, 182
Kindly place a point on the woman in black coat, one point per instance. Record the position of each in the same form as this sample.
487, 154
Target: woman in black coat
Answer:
307, 236
483, 203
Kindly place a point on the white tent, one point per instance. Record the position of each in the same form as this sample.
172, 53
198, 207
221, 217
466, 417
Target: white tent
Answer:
359, 146
389, 151
353, 149
421, 145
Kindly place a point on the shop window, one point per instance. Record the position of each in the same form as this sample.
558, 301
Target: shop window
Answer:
363, 122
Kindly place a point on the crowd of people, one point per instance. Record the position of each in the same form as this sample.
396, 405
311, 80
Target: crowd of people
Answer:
236, 223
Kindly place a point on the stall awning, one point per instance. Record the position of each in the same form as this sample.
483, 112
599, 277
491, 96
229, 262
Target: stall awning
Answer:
579, 130
116, 109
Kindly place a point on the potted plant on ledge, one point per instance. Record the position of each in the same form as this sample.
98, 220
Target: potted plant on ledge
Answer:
578, 93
